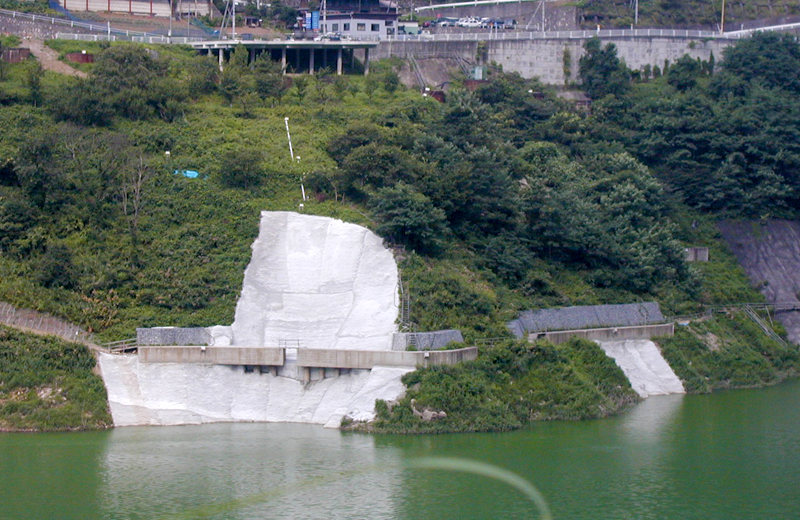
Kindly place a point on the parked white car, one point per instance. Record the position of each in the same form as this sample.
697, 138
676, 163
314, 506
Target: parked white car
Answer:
469, 22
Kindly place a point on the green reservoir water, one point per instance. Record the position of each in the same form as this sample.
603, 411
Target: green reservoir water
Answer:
732, 455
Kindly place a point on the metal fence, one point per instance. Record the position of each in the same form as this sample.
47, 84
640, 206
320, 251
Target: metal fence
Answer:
576, 35
139, 39
106, 28
42, 322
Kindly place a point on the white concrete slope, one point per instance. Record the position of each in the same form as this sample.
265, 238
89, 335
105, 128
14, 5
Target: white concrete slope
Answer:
646, 368
312, 282
175, 393
323, 282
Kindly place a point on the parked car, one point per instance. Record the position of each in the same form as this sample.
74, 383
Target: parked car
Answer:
469, 22
446, 22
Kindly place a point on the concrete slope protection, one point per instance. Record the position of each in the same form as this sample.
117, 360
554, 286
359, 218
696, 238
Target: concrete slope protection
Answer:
645, 367
313, 282
769, 252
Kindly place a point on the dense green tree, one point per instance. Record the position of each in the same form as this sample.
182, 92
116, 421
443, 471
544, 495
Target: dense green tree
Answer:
357, 134
601, 71
376, 165
683, 75
268, 79
241, 167
768, 57
408, 217
33, 78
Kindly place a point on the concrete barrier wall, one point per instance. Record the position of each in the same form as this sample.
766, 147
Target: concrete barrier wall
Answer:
213, 355
544, 58
607, 334
329, 358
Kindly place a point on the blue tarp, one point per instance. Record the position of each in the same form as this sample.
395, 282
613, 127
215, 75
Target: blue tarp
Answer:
189, 174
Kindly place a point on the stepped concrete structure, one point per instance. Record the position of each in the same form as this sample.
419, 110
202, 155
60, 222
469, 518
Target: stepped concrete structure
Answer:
318, 304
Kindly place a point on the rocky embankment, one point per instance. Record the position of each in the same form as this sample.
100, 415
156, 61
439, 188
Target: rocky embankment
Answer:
770, 254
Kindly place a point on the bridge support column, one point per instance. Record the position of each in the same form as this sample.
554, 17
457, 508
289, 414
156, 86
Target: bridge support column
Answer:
252, 55
283, 60
324, 58
221, 57
339, 62
366, 62
311, 61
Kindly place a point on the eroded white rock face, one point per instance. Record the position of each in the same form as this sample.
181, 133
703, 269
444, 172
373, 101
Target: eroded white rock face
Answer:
646, 368
175, 393
312, 281
323, 282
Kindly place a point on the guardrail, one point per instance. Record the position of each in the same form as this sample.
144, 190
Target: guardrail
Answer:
174, 40
60, 21
121, 346
570, 35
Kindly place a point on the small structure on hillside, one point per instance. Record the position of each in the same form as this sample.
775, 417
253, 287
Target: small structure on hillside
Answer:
15, 54
581, 100
608, 318
696, 254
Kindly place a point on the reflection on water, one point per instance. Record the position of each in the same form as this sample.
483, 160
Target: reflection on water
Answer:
733, 455
248, 471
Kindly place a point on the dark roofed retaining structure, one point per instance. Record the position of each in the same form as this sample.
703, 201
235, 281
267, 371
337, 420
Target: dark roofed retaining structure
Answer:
586, 317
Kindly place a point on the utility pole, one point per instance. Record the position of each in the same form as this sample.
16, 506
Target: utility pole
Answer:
722, 19
171, 13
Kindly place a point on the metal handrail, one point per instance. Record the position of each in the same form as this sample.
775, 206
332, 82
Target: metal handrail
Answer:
71, 23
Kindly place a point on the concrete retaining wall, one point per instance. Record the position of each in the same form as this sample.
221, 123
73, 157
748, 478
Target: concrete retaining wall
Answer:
544, 58
213, 355
329, 358
43, 28
173, 336
607, 334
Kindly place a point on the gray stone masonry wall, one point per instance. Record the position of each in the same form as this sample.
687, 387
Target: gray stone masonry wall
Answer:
173, 336
544, 58
43, 29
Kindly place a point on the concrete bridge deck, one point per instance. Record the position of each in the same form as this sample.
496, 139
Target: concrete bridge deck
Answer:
303, 55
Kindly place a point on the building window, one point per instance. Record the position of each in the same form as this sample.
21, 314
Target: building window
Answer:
361, 27
375, 27
346, 27
335, 27
389, 23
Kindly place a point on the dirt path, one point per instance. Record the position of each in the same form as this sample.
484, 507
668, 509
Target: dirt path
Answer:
49, 58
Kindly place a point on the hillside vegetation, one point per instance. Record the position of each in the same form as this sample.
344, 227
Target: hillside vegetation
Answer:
48, 384
495, 200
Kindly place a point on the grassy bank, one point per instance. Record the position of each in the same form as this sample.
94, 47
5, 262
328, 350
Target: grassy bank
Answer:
509, 385
727, 351
47, 384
